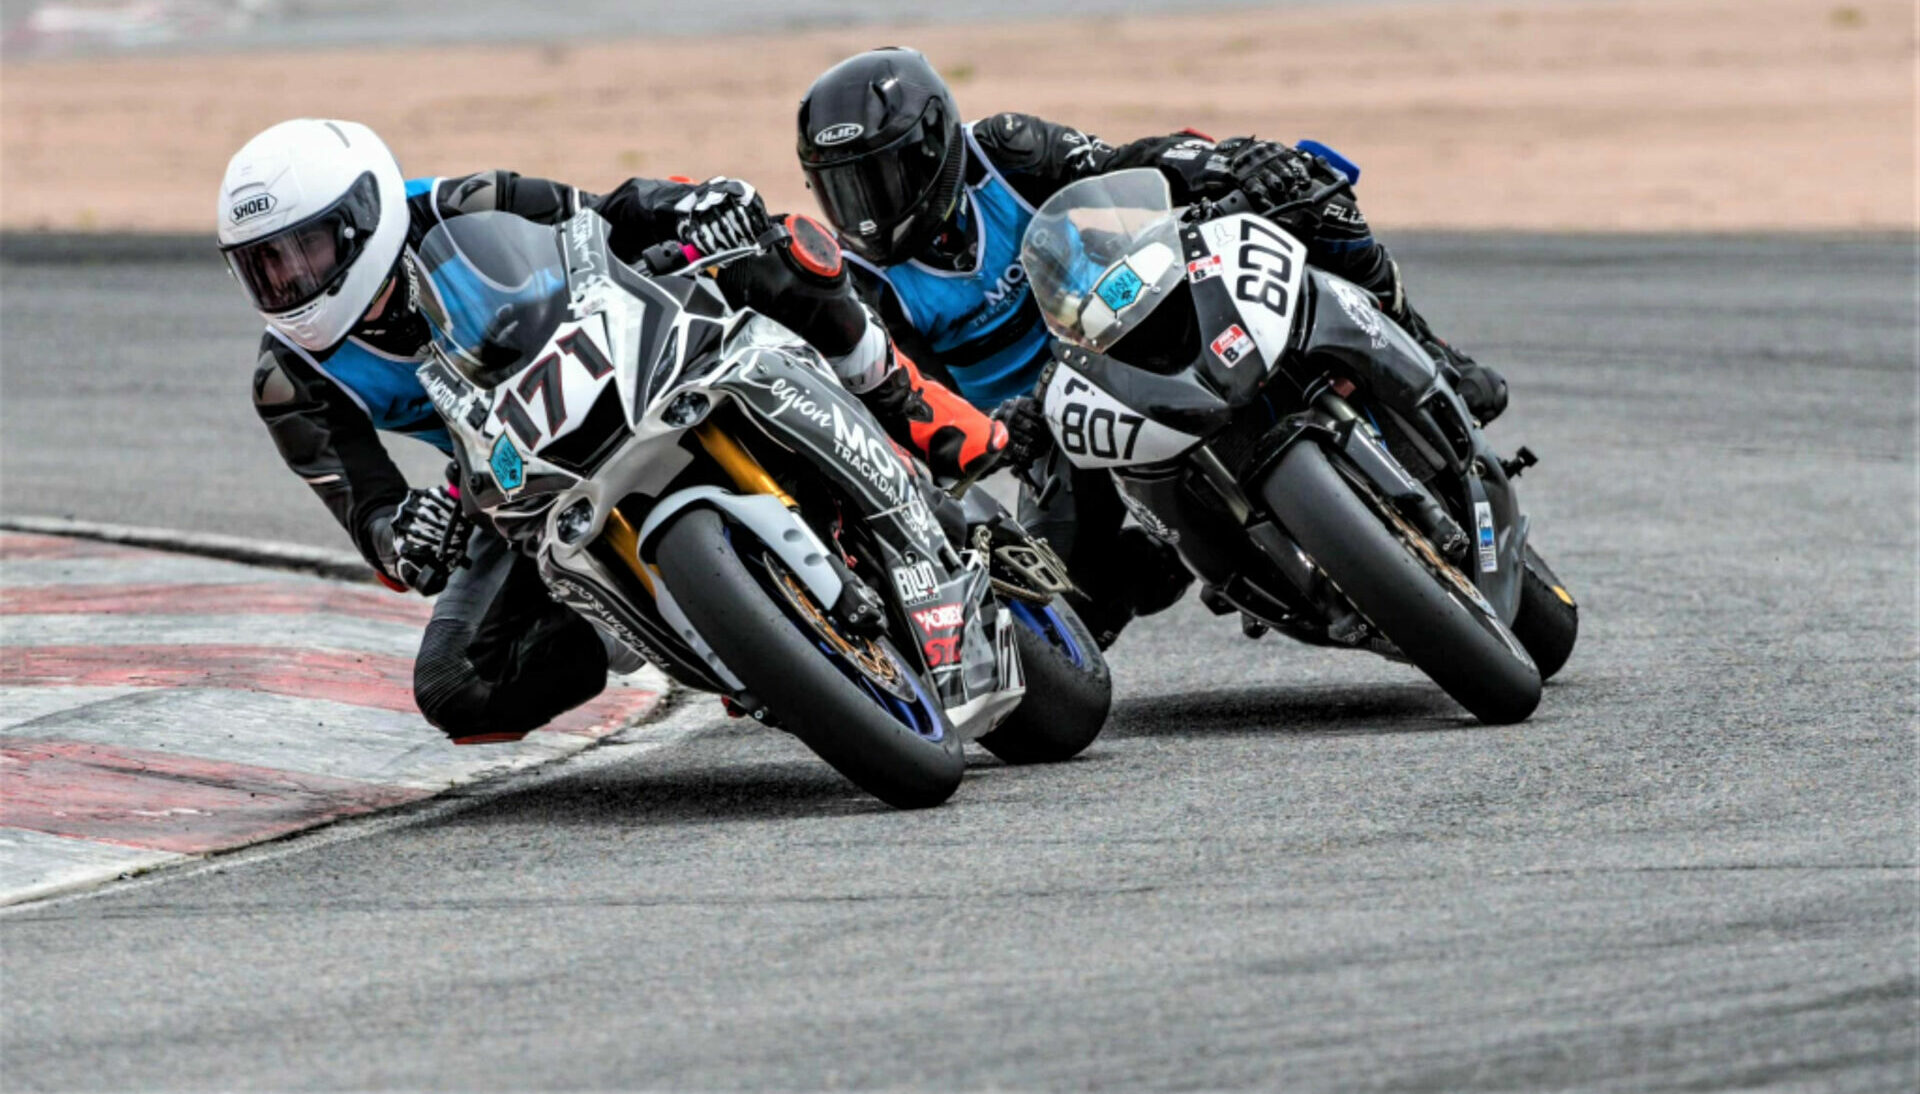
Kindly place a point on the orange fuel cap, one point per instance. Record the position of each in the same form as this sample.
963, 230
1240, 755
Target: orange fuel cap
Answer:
813, 247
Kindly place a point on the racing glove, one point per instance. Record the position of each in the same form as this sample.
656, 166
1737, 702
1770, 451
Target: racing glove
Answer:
424, 539
933, 420
1028, 437
1268, 172
720, 213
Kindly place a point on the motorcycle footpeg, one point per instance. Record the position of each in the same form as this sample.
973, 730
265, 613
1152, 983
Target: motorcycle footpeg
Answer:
1522, 459
1030, 571
1251, 627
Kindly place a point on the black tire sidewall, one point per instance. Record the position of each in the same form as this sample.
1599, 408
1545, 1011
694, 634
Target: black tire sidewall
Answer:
1395, 591
765, 648
1066, 705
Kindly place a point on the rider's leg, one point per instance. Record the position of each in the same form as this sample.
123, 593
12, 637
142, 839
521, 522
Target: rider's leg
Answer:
501, 657
1119, 572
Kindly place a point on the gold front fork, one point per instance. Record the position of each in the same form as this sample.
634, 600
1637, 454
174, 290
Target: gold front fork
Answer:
746, 472
747, 475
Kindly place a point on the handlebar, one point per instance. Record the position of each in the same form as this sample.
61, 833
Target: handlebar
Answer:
674, 256
665, 258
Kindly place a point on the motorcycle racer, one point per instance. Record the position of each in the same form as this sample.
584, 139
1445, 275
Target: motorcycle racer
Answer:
318, 225
932, 210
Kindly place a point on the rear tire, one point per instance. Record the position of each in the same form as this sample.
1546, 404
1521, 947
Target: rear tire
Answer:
1066, 704
1433, 624
767, 649
1548, 622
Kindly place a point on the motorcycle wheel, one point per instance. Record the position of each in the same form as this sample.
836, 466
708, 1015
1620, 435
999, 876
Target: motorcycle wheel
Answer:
1069, 690
1394, 577
1548, 622
903, 752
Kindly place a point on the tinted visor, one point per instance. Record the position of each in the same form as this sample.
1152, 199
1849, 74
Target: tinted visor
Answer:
296, 264
866, 196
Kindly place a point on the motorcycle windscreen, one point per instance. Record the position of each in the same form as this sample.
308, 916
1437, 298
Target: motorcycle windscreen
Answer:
1102, 254
495, 290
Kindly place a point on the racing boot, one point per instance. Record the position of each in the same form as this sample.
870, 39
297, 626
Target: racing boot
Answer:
1133, 575
1157, 578
1481, 388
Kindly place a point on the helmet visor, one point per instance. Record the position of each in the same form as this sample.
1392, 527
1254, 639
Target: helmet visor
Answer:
297, 263
868, 196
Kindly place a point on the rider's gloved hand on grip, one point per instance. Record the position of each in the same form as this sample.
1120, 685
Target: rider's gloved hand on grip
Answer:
1268, 173
424, 539
719, 214
1028, 437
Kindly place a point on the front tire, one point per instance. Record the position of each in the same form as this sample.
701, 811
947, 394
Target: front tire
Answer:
1069, 690
839, 719
1462, 647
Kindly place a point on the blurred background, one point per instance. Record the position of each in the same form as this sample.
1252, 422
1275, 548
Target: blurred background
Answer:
1479, 125
1487, 114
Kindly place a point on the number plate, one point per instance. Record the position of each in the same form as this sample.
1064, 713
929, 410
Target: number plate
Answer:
1095, 429
551, 397
1264, 268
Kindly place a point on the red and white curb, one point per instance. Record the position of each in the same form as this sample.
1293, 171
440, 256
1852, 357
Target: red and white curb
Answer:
155, 707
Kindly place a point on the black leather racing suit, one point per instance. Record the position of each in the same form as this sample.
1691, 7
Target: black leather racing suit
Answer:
500, 657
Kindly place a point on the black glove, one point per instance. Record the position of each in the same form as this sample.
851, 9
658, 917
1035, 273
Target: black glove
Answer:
1269, 173
719, 214
426, 539
1028, 436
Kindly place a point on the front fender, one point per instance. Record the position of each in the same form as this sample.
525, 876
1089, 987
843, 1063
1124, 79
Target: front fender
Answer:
771, 522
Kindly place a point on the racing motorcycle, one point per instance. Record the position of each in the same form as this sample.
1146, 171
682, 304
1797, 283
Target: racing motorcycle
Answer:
692, 478
1300, 451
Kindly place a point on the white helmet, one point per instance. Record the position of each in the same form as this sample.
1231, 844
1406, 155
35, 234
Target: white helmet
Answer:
313, 214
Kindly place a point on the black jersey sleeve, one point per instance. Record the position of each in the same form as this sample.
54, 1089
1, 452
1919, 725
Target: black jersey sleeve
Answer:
328, 441
1038, 157
641, 214
540, 200
879, 295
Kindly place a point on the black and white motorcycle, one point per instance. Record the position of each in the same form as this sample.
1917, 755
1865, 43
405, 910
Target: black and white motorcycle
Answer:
695, 481
1296, 446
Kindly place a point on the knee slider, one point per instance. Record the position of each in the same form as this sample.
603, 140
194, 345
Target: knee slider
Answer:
449, 693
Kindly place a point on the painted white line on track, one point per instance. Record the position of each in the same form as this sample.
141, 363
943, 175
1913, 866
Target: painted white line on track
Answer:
678, 718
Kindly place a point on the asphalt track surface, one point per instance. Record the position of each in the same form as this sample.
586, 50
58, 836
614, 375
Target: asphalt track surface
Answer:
1693, 869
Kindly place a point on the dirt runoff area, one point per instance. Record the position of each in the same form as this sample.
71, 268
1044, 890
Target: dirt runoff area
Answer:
1607, 115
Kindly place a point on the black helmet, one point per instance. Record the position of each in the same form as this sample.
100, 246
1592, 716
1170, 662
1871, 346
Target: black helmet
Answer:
880, 143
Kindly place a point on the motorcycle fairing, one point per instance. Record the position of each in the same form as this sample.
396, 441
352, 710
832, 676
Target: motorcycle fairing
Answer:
1348, 329
1259, 272
580, 582
1098, 429
810, 412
